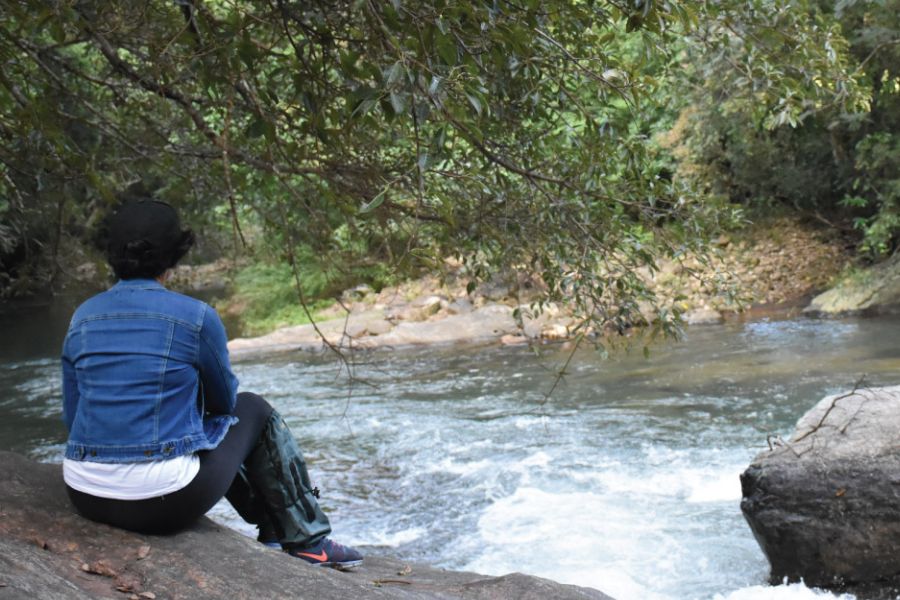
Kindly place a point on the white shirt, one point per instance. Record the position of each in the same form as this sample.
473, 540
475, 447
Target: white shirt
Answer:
131, 481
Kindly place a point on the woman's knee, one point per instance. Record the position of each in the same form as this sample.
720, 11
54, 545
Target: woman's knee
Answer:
249, 404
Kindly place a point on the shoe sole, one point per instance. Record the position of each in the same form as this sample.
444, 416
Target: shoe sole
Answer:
341, 566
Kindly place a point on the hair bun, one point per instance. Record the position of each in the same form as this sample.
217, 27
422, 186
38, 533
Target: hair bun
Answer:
145, 239
138, 247
140, 250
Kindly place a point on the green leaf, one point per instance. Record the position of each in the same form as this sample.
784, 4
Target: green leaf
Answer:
435, 85
634, 23
439, 138
246, 50
475, 102
398, 103
396, 71
57, 32
375, 202
602, 351
256, 128
446, 48
348, 62
363, 107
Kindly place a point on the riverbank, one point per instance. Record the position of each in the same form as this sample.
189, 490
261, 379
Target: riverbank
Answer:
767, 269
770, 268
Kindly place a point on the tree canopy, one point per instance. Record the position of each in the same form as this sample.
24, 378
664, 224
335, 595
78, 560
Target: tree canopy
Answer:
514, 135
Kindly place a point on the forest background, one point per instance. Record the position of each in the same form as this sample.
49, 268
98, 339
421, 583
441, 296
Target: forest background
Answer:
327, 144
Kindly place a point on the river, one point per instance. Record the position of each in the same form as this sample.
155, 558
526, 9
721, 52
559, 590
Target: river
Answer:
626, 479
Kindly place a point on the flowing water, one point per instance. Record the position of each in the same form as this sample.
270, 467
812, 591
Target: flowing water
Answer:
626, 479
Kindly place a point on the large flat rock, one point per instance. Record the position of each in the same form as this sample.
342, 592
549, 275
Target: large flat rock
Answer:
47, 551
485, 324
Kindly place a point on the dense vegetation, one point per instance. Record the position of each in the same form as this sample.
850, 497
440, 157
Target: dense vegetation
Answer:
839, 166
361, 140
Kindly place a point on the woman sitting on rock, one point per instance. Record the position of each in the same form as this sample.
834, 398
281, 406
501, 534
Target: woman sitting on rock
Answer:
157, 431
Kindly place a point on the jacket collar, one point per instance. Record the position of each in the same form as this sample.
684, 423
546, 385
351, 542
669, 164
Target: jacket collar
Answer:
139, 284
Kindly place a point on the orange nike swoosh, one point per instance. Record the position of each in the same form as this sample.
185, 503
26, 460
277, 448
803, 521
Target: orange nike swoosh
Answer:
322, 556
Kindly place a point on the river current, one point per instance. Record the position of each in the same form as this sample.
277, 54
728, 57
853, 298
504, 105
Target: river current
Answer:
625, 479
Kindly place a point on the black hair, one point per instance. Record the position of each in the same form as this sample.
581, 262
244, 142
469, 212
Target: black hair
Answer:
145, 238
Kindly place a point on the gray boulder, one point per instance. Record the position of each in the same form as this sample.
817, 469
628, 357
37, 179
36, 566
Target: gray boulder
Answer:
47, 551
874, 290
825, 505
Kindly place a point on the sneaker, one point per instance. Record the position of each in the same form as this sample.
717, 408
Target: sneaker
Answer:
327, 553
272, 544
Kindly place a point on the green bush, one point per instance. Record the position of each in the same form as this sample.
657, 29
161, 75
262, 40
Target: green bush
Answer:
833, 160
266, 297
266, 294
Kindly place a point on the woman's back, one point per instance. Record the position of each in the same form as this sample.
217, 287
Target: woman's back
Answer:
137, 360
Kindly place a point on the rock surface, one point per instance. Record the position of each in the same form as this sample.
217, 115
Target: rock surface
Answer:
49, 552
874, 290
825, 505
369, 329
703, 316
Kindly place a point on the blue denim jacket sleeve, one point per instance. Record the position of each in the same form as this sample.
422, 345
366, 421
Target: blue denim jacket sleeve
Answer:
219, 383
70, 391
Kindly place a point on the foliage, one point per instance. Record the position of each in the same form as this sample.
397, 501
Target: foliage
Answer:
514, 135
833, 154
266, 297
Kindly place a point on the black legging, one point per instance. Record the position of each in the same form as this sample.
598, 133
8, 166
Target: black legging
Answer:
218, 467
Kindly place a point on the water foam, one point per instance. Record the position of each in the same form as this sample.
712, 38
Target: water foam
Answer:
386, 539
793, 591
590, 539
715, 488
576, 538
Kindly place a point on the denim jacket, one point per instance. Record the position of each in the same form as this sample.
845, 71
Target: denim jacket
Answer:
146, 376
